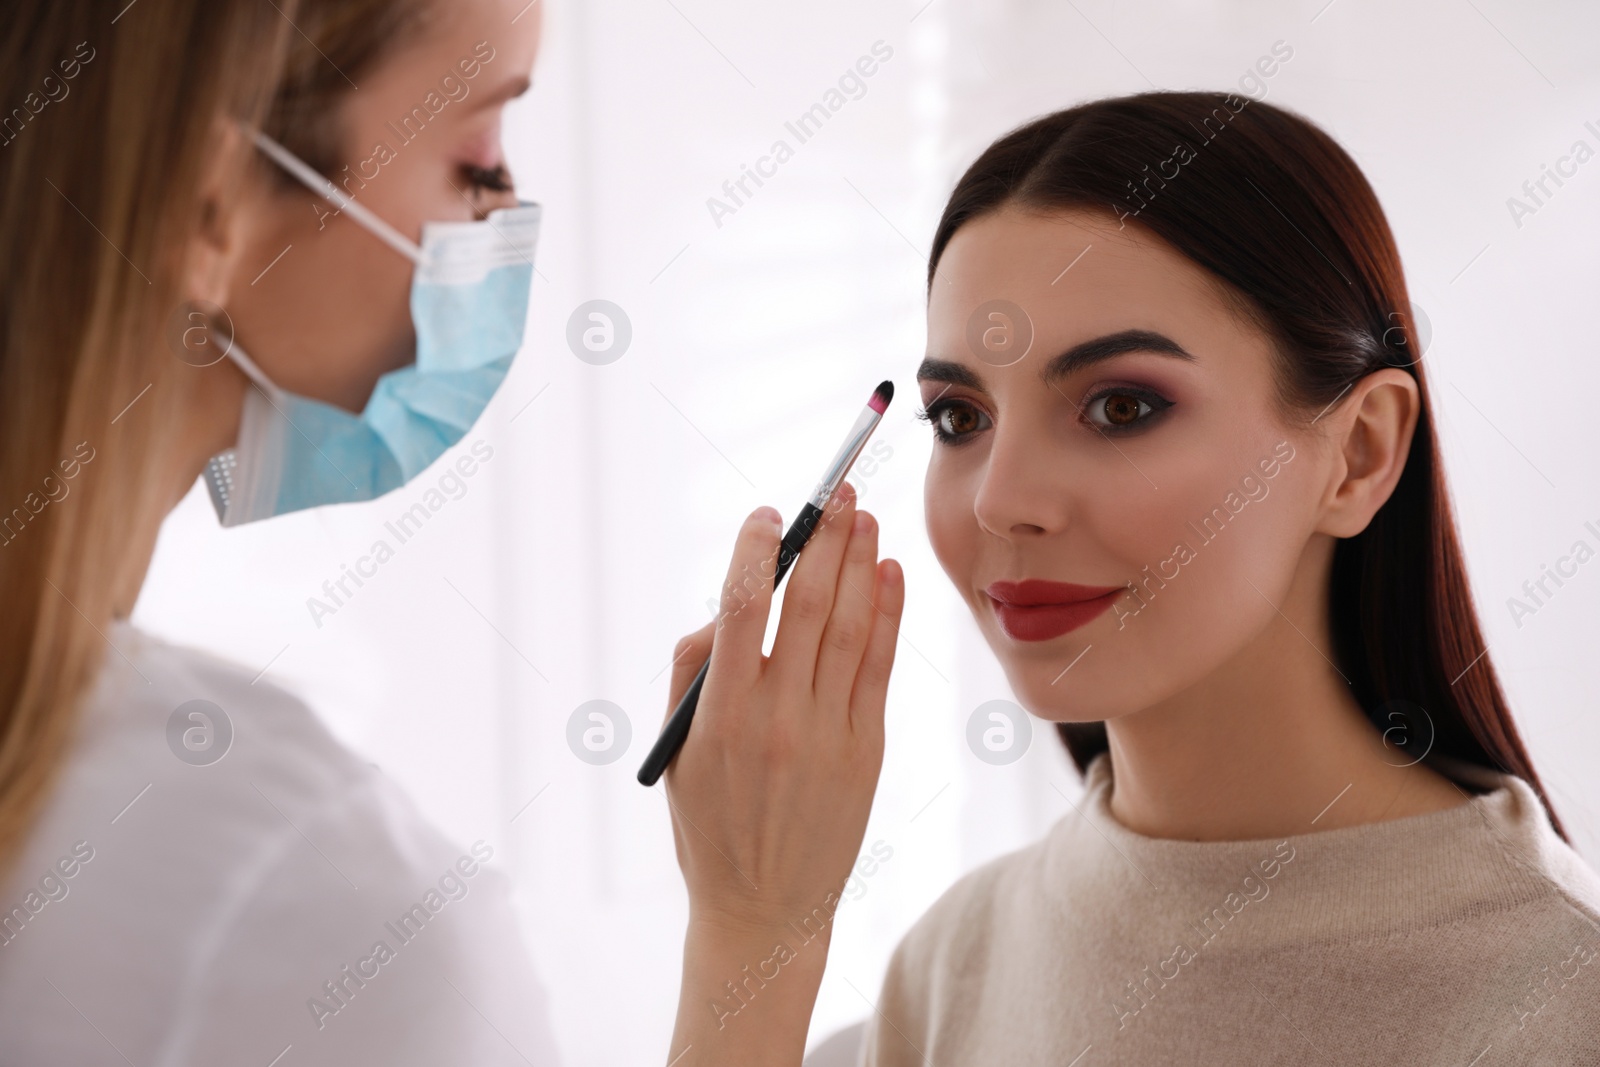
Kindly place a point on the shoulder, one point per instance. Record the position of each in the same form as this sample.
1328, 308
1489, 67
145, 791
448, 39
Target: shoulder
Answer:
971, 922
1523, 859
166, 706
239, 860
955, 924
993, 908
213, 761
940, 969
1553, 936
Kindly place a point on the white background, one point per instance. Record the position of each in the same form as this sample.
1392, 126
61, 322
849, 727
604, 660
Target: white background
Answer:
599, 530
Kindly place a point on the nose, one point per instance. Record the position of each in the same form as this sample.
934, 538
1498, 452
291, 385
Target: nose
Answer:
1023, 493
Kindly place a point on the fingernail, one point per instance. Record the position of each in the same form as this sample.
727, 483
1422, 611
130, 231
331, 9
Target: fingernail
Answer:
863, 521
768, 514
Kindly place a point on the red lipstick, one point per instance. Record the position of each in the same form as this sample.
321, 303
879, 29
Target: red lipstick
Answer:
1037, 610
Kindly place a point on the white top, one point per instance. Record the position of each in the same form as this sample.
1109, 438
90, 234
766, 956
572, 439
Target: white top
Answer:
284, 904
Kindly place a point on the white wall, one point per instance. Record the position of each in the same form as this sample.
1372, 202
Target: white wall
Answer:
599, 530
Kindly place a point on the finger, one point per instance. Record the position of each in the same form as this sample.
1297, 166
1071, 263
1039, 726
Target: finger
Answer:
844, 640
872, 679
688, 656
808, 601
746, 602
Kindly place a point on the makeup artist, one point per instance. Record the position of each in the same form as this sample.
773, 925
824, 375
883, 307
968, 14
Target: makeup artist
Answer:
148, 347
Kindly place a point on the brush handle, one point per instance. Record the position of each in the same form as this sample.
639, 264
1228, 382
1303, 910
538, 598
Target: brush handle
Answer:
676, 731
800, 531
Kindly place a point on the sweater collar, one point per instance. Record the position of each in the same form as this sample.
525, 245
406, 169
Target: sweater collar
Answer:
1382, 879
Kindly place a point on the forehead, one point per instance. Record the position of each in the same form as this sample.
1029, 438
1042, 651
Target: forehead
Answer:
502, 34
1076, 274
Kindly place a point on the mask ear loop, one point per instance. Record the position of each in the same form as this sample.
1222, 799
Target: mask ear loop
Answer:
231, 350
325, 188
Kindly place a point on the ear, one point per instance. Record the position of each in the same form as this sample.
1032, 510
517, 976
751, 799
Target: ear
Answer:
222, 214
1373, 432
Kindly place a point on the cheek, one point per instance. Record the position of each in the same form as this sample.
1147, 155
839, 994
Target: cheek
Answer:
1137, 505
1210, 567
1209, 589
947, 503
332, 316
1158, 501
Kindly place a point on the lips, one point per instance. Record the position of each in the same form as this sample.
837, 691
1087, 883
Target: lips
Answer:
1037, 610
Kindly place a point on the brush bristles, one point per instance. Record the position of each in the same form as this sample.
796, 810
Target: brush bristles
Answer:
881, 397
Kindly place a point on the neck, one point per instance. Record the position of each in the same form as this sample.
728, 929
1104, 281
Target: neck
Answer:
1271, 744
214, 396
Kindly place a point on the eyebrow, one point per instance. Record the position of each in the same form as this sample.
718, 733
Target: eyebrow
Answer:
1066, 363
509, 89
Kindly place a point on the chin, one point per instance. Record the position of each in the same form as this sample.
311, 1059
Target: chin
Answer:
1109, 675
1085, 701
1034, 671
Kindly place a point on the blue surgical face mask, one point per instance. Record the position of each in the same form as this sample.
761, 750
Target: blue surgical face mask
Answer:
469, 302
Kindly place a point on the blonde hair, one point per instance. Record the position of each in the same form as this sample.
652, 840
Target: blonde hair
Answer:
110, 130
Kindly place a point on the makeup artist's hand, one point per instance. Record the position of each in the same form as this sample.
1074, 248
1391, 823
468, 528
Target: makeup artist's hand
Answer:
771, 791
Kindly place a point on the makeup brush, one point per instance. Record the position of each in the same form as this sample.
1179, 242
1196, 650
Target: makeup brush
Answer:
805, 524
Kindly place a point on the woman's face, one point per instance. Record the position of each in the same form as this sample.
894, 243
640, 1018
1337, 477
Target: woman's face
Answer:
1132, 446
333, 313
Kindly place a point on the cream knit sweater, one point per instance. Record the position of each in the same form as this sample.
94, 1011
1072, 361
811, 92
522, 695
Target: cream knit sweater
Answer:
1468, 937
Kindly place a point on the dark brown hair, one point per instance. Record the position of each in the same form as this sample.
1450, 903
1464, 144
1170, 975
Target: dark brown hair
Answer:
1267, 202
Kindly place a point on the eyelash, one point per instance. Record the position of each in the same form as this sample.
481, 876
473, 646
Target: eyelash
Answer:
932, 415
496, 180
934, 412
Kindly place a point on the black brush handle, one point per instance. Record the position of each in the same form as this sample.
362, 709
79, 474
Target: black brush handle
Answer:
676, 731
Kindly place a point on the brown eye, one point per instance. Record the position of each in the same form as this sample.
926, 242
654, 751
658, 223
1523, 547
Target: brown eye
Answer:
959, 420
953, 421
1121, 409
1124, 410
